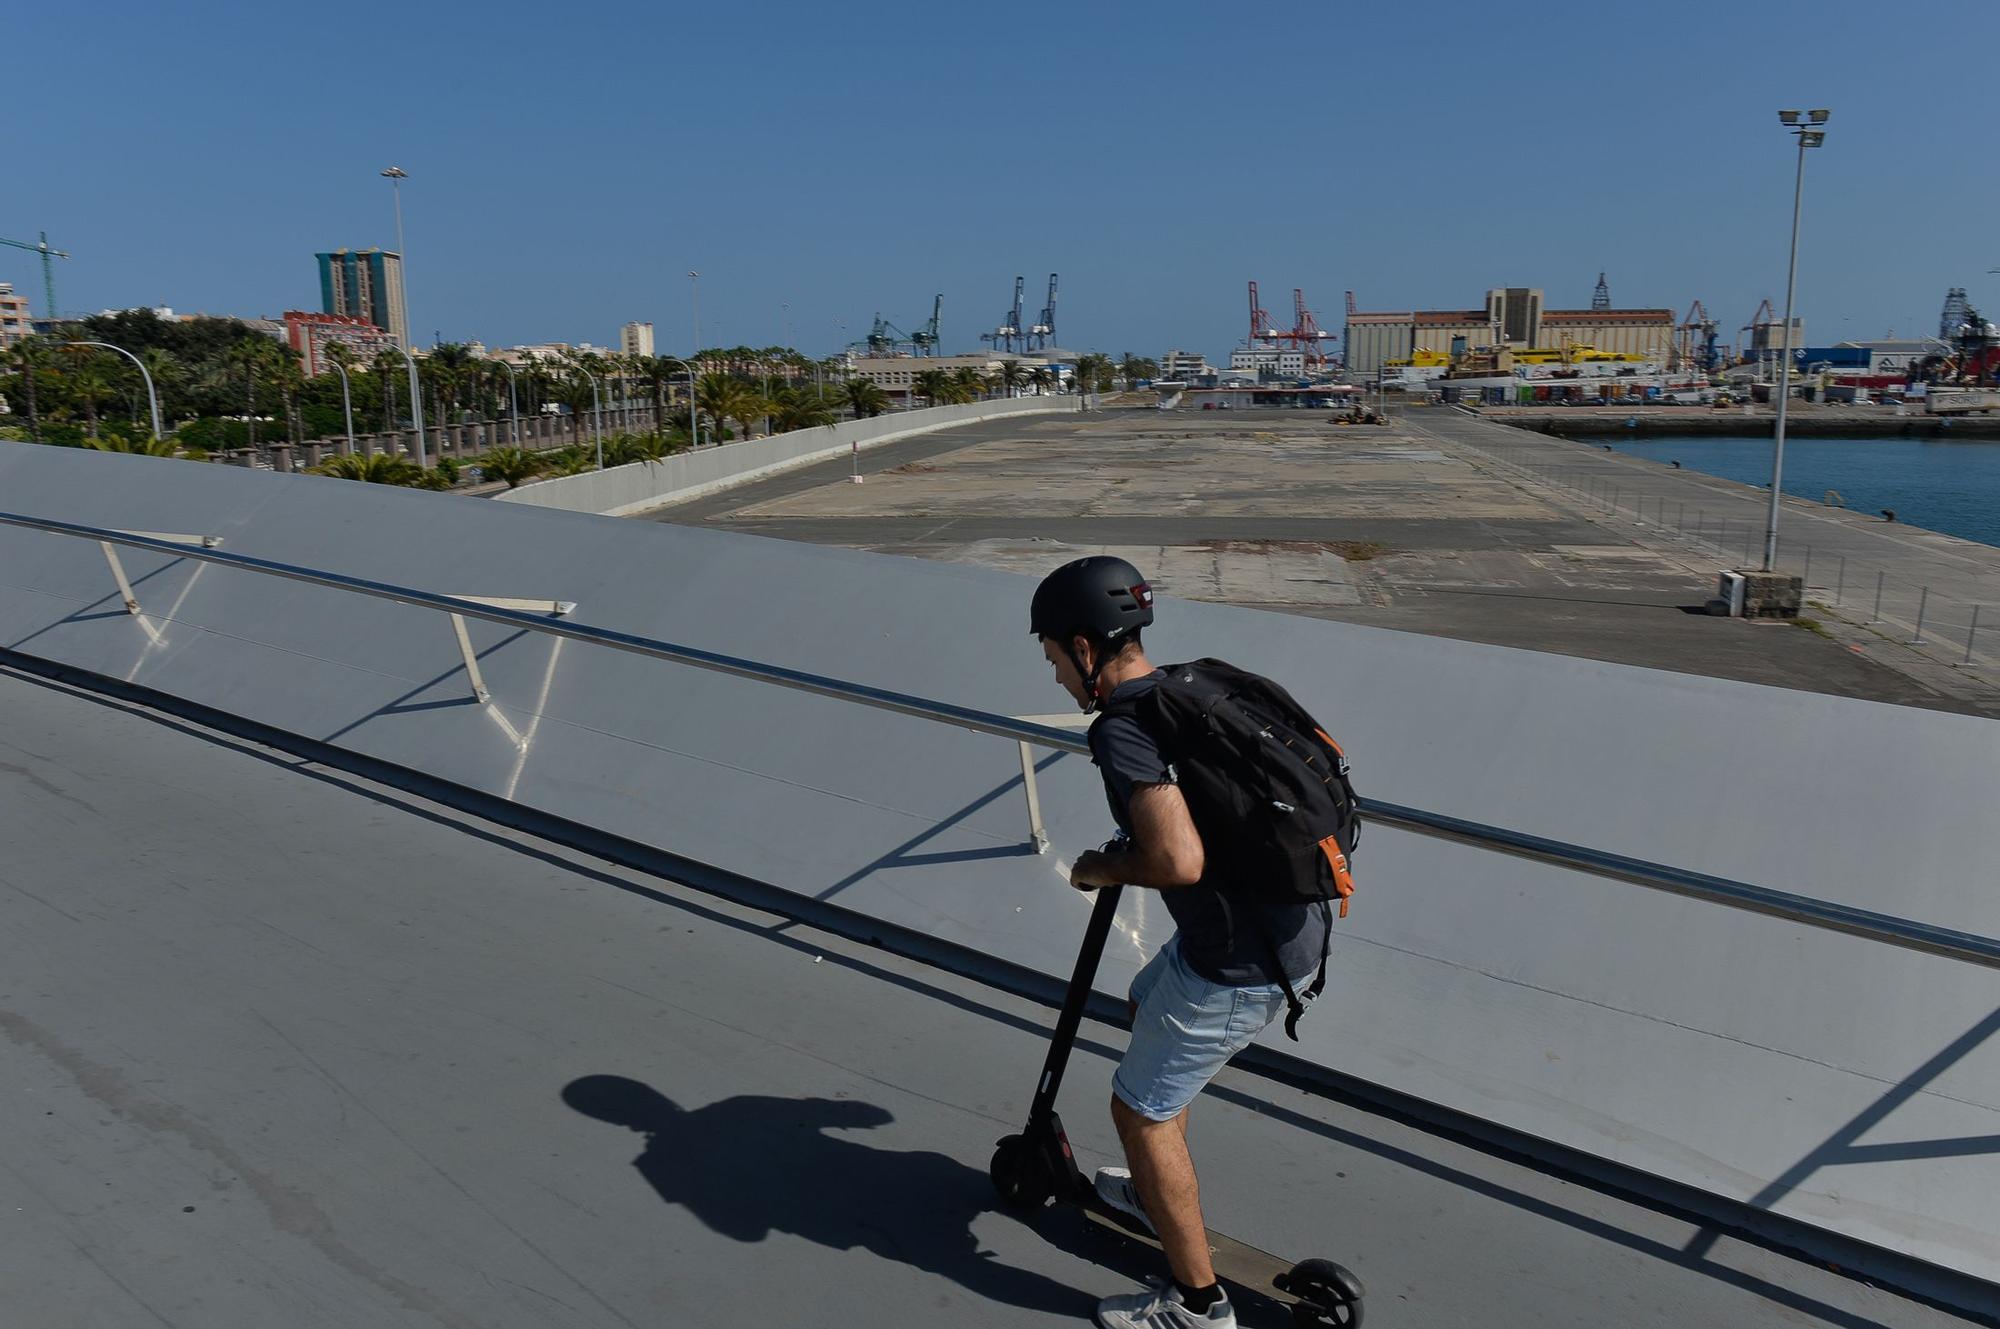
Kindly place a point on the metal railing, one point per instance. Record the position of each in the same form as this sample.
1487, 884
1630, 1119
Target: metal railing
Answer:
545, 616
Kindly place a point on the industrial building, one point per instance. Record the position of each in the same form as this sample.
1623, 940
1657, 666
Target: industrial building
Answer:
365, 283
1282, 362
1513, 317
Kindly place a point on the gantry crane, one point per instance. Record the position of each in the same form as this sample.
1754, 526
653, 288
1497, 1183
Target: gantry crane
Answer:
48, 270
1043, 332
925, 338
1009, 332
1695, 343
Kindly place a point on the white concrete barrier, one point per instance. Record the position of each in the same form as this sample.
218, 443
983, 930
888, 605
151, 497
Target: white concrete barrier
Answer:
625, 491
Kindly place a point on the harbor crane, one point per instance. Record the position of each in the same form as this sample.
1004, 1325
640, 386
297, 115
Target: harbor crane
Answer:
1005, 337
1260, 320
1305, 334
48, 269
925, 338
1695, 343
1043, 333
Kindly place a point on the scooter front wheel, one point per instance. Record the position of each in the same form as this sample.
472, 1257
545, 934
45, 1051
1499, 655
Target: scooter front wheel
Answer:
1329, 1295
1020, 1174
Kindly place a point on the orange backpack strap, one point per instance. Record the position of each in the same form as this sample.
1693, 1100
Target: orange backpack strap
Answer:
1343, 879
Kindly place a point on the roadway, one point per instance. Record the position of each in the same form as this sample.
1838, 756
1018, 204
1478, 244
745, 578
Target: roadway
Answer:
291, 1047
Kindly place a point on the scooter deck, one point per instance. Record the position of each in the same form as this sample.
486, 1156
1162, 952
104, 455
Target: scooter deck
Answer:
1236, 1262
1109, 1239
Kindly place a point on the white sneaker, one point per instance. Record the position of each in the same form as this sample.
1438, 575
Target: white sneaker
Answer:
1161, 1307
1116, 1188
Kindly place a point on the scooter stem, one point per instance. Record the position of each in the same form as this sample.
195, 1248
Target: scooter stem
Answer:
1094, 935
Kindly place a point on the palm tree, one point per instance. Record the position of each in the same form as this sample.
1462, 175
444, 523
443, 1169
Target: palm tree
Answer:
512, 465
935, 386
1040, 379
802, 408
87, 382
144, 447
722, 398
250, 354
28, 358
379, 468
388, 364
970, 384
865, 398
577, 391
1010, 376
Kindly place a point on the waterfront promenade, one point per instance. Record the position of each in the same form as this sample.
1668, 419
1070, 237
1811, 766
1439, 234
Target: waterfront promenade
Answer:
1869, 581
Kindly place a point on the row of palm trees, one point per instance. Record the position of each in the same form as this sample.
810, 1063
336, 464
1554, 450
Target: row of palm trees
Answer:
237, 383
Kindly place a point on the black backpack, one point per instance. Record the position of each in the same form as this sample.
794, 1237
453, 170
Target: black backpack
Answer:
1268, 790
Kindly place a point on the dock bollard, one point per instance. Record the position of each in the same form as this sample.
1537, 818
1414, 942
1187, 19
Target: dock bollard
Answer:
1923, 602
1970, 633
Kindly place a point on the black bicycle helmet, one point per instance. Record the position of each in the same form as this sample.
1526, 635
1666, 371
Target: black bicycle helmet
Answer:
1101, 598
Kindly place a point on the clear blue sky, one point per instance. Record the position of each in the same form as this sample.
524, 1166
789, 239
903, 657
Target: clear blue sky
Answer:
569, 163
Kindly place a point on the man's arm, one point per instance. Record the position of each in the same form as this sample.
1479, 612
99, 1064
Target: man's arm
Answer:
1166, 849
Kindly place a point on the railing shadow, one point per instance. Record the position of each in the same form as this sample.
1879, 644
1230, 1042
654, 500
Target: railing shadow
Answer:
90, 612
1840, 1148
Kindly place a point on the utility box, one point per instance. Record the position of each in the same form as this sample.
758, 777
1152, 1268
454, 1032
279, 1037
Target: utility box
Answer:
1728, 601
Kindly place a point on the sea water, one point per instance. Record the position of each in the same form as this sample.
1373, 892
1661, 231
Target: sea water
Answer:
1939, 484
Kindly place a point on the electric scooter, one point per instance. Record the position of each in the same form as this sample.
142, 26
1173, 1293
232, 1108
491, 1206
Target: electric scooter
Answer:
1037, 1165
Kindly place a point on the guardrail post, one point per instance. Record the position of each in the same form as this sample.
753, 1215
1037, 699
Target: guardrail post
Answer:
1970, 633
479, 691
118, 573
1805, 579
1879, 574
1039, 836
1840, 580
1923, 602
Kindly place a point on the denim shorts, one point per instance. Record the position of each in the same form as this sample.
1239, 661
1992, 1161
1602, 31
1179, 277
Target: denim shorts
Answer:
1186, 1029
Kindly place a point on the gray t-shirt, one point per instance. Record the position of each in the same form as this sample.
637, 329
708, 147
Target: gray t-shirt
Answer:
1219, 938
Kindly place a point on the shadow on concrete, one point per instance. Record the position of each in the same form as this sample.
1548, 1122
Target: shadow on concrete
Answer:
754, 1164
902, 857
85, 614
1841, 1147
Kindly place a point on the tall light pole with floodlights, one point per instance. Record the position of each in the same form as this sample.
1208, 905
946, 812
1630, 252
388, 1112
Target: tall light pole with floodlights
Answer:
395, 175
1806, 129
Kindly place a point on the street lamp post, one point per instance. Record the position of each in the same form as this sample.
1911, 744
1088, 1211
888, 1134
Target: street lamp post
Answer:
346, 401
152, 397
597, 410
1810, 135
416, 407
694, 298
513, 399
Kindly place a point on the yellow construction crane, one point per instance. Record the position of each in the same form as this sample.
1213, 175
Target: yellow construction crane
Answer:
48, 270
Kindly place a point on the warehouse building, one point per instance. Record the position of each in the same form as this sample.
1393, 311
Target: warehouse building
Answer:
1513, 317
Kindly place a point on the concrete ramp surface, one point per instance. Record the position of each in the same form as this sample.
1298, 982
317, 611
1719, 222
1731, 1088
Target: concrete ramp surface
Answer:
1838, 1085
286, 1047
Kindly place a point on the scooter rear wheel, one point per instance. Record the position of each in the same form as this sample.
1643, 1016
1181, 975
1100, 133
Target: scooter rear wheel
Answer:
1020, 1174
1329, 1295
